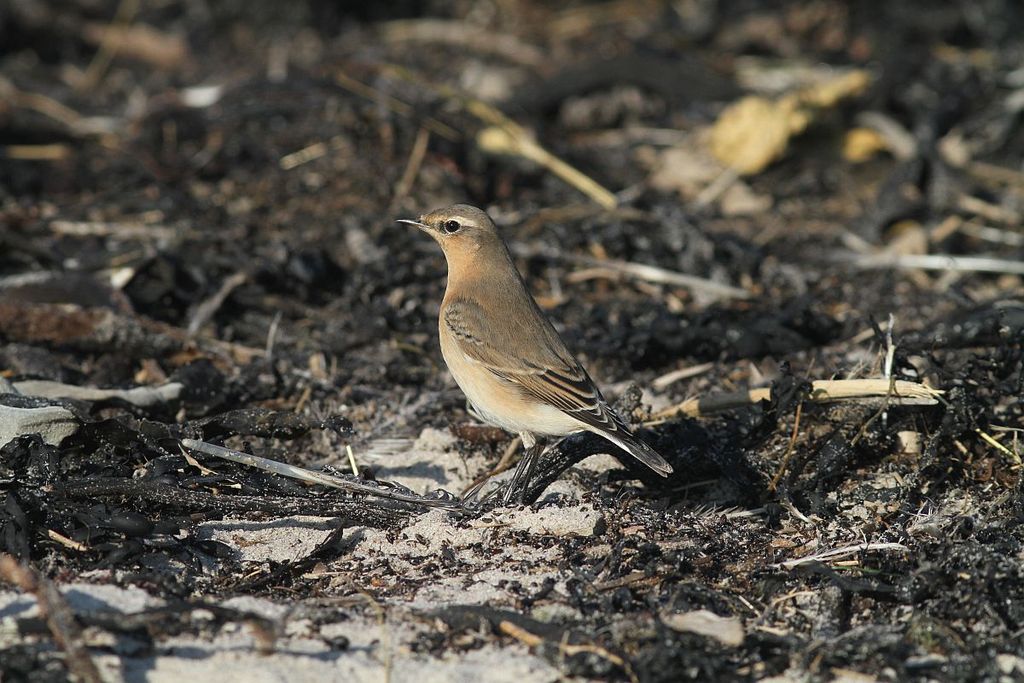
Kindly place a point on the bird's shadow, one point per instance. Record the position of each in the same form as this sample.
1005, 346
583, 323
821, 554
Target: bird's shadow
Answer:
692, 450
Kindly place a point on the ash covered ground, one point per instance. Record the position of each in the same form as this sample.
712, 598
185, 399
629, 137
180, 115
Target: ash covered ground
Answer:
763, 202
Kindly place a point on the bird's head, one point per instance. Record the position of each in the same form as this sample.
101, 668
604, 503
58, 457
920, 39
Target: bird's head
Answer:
460, 229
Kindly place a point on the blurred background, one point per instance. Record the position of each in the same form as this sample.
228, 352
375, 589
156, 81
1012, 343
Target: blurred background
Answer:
256, 154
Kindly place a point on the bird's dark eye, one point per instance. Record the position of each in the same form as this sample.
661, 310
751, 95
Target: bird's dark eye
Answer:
450, 226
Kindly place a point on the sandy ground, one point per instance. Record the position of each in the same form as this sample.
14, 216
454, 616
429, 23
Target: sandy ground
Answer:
510, 548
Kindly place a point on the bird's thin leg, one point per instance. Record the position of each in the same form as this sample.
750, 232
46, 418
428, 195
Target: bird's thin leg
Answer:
524, 471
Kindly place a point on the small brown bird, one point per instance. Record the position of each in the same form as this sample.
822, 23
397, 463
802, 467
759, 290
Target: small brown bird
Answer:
503, 352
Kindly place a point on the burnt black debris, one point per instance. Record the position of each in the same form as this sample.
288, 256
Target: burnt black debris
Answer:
211, 206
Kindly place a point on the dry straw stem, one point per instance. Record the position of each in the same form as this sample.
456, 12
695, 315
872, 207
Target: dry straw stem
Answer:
991, 441
900, 392
52, 152
502, 135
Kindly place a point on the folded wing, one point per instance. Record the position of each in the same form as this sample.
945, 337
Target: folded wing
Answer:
547, 372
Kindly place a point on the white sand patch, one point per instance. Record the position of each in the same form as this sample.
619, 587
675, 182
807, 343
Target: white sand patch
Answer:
278, 540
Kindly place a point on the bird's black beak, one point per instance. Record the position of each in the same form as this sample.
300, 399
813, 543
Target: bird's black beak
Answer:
421, 226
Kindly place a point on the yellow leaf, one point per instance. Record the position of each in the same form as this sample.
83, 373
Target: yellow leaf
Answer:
861, 144
755, 131
751, 134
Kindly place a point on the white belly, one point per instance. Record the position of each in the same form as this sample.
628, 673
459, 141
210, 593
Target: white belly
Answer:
501, 403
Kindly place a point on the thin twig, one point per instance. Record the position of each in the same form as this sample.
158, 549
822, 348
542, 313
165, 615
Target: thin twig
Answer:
412, 167
65, 541
504, 463
303, 156
352, 460
76, 124
206, 309
903, 392
890, 356
613, 270
268, 351
139, 396
882, 412
572, 650
992, 212
533, 640
720, 184
967, 264
999, 174
140, 42
385, 634
394, 104
990, 234
519, 633
58, 616
790, 447
836, 553
121, 231
670, 378
500, 135
108, 48
439, 499
648, 273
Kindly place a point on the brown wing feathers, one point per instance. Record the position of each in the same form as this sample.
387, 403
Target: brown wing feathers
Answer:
551, 375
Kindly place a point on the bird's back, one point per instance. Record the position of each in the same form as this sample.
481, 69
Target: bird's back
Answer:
512, 314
